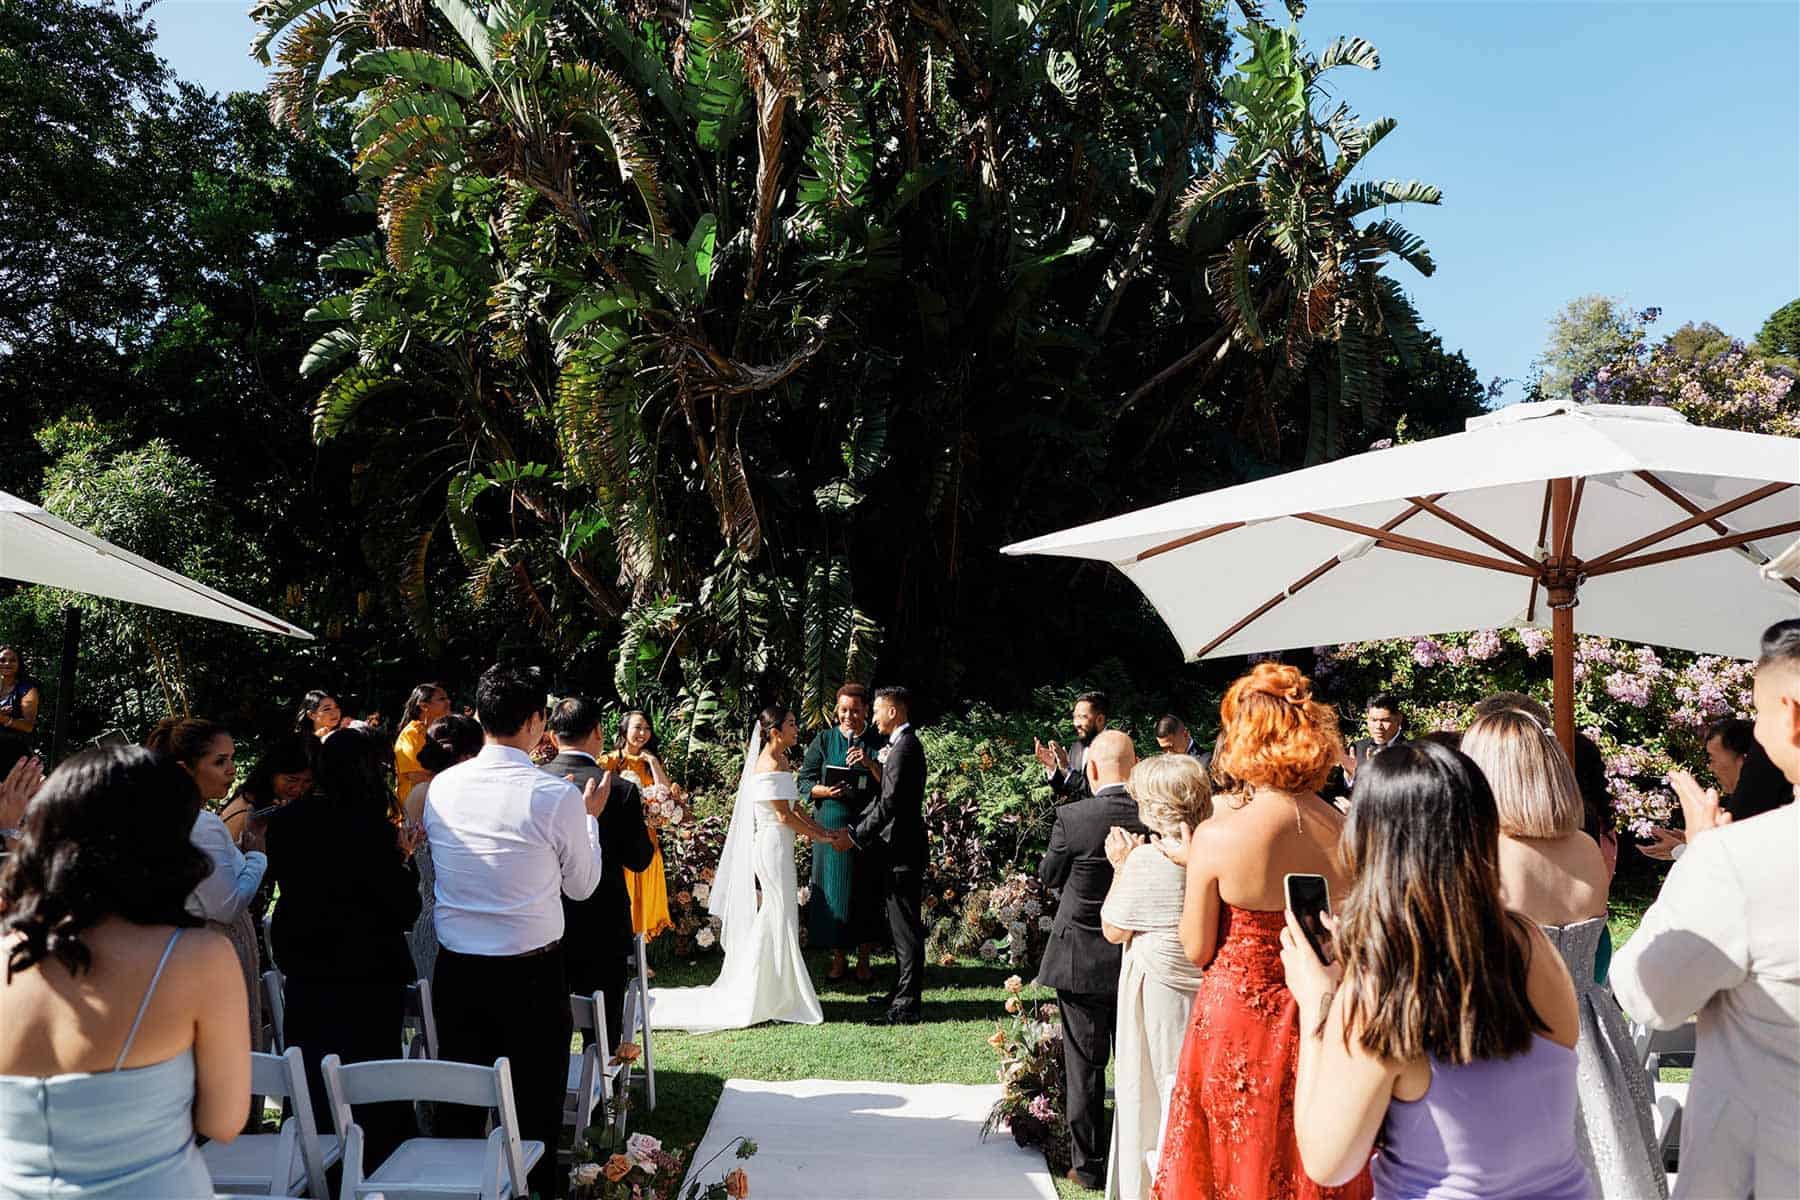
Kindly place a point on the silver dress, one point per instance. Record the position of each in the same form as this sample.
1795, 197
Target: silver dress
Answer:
1613, 1127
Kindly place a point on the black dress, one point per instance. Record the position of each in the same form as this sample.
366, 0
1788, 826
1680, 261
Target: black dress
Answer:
13, 744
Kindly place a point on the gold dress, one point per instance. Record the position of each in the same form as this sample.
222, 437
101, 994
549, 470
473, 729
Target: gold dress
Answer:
649, 888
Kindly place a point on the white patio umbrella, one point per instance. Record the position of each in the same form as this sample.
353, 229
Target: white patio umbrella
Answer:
1602, 519
38, 548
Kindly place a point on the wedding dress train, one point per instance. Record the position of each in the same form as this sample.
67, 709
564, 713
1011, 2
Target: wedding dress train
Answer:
764, 977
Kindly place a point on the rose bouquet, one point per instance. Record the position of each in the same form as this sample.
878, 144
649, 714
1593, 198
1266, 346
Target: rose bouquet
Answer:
642, 1170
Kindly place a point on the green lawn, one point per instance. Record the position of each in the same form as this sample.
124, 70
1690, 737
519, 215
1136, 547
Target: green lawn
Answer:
962, 1002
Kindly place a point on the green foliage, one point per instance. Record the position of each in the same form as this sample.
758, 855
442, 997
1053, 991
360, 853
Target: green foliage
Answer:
1780, 334
1591, 332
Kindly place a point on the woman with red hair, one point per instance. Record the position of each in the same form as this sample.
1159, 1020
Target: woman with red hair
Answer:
1230, 1130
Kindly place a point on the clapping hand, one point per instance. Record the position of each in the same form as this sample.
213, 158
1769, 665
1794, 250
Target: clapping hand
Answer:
1175, 846
1120, 844
1700, 807
17, 789
1052, 756
1662, 844
594, 795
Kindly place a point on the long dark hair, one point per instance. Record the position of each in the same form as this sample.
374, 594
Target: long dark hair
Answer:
106, 836
625, 723
289, 754
1434, 963
415, 703
350, 773
310, 705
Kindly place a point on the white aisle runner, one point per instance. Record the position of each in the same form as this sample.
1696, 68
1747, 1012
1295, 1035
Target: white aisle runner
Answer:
829, 1139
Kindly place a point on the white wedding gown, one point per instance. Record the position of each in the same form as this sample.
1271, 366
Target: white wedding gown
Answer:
764, 977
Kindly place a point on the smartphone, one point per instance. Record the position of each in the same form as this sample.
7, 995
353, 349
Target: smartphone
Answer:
263, 814
1309, 900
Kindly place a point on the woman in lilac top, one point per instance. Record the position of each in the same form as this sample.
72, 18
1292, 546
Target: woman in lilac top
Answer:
1445, 1026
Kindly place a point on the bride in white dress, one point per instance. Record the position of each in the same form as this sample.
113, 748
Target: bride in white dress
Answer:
764, 977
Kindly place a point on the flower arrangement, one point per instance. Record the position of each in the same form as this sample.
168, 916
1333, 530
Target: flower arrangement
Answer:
642, 1169
664, 805
1007, 922
1032, 1104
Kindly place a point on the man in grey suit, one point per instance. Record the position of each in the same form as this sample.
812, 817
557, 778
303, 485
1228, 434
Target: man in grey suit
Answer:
597, 931
1066, 770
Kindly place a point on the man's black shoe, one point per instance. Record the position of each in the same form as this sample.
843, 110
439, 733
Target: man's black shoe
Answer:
899, 1016
880, 999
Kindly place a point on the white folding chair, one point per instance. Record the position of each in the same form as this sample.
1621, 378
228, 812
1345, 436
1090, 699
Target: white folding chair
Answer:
274, 986
290, 1163
419, 1018
636, 1020
593, 1076
491, 1168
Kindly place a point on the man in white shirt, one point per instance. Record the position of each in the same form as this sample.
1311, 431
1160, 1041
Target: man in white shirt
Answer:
1723, 940
508, 842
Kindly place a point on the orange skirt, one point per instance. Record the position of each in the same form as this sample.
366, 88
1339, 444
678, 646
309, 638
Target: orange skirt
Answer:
649, 891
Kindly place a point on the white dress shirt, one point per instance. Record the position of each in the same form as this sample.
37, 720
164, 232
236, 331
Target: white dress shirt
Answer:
1723, 941
507, 842
223, 895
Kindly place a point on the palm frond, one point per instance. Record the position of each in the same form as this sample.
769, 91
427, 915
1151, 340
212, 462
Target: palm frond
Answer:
338, 404
602, 111
1360, 198
294, 86
1349, 52
422, 67
327, 352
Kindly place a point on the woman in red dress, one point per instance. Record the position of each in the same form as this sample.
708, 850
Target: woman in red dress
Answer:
1230, 1132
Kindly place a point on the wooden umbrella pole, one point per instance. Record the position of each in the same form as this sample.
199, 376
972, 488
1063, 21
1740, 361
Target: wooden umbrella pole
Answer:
1561, 583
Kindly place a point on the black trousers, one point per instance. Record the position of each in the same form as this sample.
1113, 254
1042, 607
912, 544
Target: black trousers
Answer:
1088, 1020
358, 1022
905, 900
517, 1009
602, 969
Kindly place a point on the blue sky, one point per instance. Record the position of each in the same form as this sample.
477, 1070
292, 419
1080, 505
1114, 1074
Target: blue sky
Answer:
1646, 151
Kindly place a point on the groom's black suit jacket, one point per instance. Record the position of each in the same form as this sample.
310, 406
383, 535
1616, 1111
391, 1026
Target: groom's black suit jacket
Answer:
599, 928
896, 818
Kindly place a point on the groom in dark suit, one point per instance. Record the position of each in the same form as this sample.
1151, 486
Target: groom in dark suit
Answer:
597, 931
1079, 962
891, 833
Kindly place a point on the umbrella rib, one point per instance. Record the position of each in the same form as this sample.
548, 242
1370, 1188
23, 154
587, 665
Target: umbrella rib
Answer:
1475, 531
1189, 539
1730, 542
1299, 583
1425, 549
1708, 517
1568, 533
1543, 531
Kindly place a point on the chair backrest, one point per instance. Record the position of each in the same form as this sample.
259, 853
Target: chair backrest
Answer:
390, 1079
283, 1076
589, 1015
419, 1011
274, 986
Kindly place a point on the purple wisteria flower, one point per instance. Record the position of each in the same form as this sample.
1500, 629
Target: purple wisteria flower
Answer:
1629, 689
1485, 644
1427, 652
1535, 640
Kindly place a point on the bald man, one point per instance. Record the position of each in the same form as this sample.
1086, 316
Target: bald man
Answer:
1079, 962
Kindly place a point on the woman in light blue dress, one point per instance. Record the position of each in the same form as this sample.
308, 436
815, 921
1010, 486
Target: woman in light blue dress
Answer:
121, 1027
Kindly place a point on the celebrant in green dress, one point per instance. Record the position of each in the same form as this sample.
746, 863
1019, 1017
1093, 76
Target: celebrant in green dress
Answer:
846, 905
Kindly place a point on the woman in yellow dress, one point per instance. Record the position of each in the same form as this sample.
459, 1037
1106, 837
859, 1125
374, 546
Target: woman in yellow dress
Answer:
649, 888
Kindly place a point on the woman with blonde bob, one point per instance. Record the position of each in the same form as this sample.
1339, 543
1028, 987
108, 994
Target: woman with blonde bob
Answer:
1231, 1115
1142, 912
1553, 873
